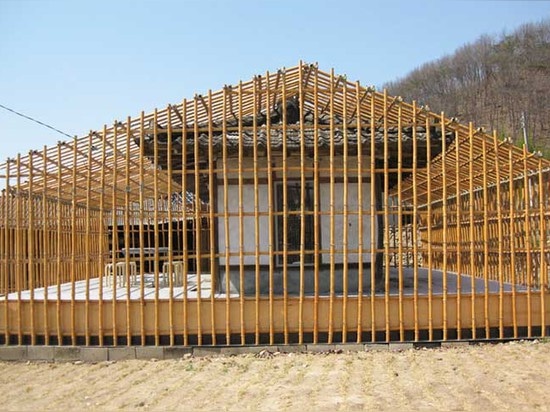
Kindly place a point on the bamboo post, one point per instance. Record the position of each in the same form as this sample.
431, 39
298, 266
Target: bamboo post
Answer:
526, 232
512, 240
102, 232
429, 220
332, 210
302, 206
87, 240
360, 244
141, 229
241, 215
543, 270
285, 210
316, 218
170, 228
257, 107
485, 238
445, 207
198, 218
226, 221
471, 226
73, 247
415, 219
270, 202
18, 249
400, 221
373, 218
345, 218
8, 244
458, 239
30, 246
212, 203
185, 307
156, 196
386, 204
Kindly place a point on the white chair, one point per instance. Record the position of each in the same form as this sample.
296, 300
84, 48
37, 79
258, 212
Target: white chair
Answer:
124, 272
173, 271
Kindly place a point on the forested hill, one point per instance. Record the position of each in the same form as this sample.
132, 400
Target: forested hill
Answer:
491, 82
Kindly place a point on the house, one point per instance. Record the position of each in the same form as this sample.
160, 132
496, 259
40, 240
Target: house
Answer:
295, 207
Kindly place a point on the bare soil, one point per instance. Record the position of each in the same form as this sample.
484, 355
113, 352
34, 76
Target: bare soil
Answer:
512, 376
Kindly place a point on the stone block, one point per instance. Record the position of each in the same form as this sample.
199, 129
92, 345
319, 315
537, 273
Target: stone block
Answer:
455, 344
400, 346
376, 347
120, 353
92, 354
292, 348
150, 352
177, 352
40, 353
320, 347
349, 347
66, 353
201, 351
244, 350
13, 353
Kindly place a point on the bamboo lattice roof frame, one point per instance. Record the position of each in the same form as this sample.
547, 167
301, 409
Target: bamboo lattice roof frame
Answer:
65, 168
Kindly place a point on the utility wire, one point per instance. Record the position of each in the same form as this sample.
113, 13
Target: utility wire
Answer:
36, 121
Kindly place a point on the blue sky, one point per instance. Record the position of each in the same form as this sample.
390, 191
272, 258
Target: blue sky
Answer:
78, 65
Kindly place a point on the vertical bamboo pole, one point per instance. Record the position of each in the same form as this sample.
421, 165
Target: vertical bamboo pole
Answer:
185, 217
485, 238
156, 196
302, 206
257, 106
226, 221
458, 239
332, 211
445, 217
271, 232
527, 241
170, 262
512, 235
285, 211
472, 224
211, 205
386, 204
429, 224
114, 225
30, 246
198, 217
141, 229
127, 230
73, 247
87, 240
58, 249
18, 250
102, 232
360, 244
345, 218
373, 217
241, 216
8, 244
543, 269
316, 214
399, 234
415, 219
500, 239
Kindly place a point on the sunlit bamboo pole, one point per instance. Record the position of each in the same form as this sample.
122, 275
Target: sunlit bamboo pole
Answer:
415, 219
332, 211
458, 240
73, 267
212, 232
500, 235
270, 201
400, 221
257, 109
8, 244
285, 209
156, 196
526, 232
88, 240
302, 206
18, 249
429, 224
143, 334
512, 234
185, 308
226, 221
345, 218
386, 203
198, 218
373, 217
316, 217
543, 269
30, 247
170, 261
485, 238
102, 232
471, 226
127, 231
241, 215
445, 206
360, 244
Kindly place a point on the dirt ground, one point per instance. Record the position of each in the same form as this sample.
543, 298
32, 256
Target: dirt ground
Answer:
512, 376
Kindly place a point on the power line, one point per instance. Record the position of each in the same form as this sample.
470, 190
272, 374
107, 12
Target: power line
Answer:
36, 121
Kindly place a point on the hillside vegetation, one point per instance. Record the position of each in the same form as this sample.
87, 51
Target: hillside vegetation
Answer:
491, 82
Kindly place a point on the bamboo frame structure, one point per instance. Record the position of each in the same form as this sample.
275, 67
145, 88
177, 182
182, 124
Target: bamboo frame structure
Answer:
295, 207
